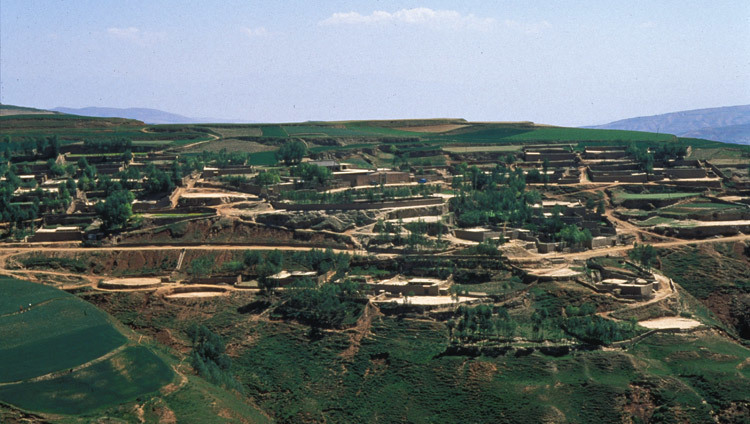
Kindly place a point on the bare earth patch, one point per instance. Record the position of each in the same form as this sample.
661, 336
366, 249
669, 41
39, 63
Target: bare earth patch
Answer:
669, 322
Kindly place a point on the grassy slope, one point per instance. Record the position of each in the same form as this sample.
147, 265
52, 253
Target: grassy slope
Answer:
718, 276
398, 374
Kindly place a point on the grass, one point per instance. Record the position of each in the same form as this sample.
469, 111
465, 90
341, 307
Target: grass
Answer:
129, 374
202, 402
710, 365
707, 270
398, 375
398, 372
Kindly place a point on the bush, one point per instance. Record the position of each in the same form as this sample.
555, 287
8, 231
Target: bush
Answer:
328, 306
208, 358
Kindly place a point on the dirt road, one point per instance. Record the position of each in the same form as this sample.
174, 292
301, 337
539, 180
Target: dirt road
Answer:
620, 249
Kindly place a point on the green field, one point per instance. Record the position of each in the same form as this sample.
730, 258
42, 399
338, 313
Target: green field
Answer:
56, 333
620, 196
273, 131
13, 291
263, 158
476, 149
350, 130
63, 339
133, 372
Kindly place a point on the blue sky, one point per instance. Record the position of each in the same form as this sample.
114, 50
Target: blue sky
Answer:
563, 63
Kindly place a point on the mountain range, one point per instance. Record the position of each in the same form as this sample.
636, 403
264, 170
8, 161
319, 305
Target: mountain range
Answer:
729, 124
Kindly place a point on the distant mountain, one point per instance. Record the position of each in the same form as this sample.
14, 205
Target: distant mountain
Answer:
729, 124
149, 116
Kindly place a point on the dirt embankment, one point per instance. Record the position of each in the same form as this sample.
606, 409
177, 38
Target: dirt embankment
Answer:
222, 230
117, 263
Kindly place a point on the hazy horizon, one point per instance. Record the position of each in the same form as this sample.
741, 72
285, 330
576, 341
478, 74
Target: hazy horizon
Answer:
585, 63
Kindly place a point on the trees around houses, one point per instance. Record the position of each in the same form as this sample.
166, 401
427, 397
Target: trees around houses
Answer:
291, 152
312, 174
267, 178
116, 209
573, 236
157, 181
644, 254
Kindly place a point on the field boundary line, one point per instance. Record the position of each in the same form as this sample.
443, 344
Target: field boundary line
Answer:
77, 368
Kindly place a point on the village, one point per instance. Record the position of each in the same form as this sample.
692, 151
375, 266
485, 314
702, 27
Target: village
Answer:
586, 203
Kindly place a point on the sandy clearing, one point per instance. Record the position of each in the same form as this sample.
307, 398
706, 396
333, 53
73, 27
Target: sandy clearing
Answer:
196, 294
669, 322
130, 283
196, 194
432, 128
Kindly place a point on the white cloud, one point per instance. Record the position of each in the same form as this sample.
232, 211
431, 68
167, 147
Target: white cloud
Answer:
648, 24
527, 27
256, 32
443, 19
135, 35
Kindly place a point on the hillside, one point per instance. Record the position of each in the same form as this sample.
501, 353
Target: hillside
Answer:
427, 271
9, 110
149, 116
725, 124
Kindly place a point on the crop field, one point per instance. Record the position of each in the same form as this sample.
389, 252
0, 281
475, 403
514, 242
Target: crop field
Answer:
53, 335
474, 149
655, 220
128, 374
231, 145
154, 143
510, 133
619, 196
17, 291
78, 353
267, 158
721, 153
349, 130
229, 131
273, 131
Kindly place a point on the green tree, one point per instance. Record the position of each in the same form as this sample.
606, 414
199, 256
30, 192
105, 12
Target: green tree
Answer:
209, 359
312, 174
267, 178
116, 209
291, 152
643, 254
